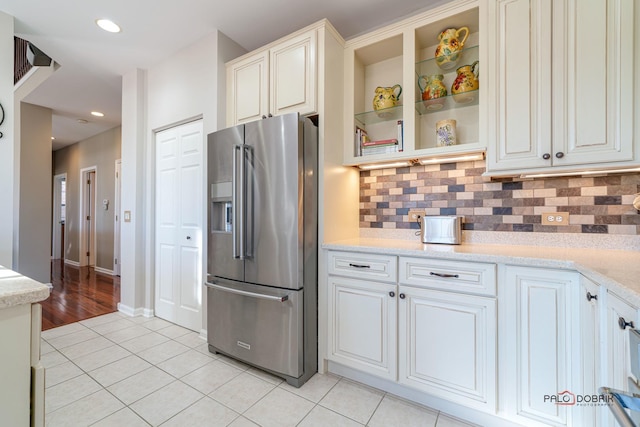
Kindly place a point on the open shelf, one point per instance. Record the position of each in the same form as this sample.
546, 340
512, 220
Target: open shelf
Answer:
379, 116
466, 56
460, 100
390, 56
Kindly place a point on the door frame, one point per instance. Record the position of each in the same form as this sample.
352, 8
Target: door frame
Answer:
56, 236
116, 217
82, 235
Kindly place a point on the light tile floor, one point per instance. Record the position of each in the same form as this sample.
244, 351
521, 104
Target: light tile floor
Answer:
119, 371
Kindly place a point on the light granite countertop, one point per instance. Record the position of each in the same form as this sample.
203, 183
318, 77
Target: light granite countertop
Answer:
16, 289
618, 270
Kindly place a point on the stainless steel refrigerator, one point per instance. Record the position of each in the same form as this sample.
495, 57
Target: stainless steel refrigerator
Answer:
262, 245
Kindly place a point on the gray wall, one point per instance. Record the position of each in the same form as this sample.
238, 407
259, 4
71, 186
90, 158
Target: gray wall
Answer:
33, 253
101, 151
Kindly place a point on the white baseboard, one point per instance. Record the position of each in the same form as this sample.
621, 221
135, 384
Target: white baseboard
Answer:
429, 400
72, 263
103, 271
135, 312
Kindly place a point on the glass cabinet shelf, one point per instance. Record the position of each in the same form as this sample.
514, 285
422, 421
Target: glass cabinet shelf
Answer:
379, 116
429, 66
449, 102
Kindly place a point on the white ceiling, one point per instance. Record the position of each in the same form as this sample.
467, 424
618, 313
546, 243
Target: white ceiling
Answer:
93, 61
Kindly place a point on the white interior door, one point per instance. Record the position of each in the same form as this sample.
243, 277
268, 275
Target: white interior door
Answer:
179, 223
116, 219
87, 246
91, 219
59, 206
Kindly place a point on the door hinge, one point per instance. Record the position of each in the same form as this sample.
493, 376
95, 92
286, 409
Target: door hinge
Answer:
88, 182
88, 218
115, 261
116, 174
88, 254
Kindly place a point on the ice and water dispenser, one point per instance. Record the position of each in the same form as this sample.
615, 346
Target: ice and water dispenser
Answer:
221, 207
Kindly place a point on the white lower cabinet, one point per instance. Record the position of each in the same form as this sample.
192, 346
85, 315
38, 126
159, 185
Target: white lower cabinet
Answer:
529, 345
438, 339
447, 345
619, 318
539, 351
590, 301
362, 330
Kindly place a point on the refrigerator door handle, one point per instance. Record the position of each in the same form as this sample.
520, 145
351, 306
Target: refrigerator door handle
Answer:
248, 294
237, 200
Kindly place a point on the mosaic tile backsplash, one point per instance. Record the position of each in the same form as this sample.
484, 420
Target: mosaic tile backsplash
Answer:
599, 204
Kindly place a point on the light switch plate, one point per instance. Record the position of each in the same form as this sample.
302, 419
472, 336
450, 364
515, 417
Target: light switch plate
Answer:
555, 218
127, 216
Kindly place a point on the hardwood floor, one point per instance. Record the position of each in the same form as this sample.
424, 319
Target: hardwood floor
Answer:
78, 294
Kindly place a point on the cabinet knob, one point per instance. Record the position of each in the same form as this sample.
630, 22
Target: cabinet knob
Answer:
188, 237
623, 323
401, 296
264, 117
546, 156
392, 294
590, 297
559, 154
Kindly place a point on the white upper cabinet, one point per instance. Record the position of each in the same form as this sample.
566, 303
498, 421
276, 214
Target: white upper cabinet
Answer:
276, 80
293, 75
561, 84
248, 89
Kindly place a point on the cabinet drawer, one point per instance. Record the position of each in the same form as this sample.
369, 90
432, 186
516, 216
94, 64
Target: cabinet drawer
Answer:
456, 276
382, 268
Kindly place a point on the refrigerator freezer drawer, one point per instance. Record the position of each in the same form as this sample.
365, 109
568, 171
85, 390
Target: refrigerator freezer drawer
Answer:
257, 324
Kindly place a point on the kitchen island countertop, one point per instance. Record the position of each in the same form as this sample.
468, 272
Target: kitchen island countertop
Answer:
16, 289
618, 270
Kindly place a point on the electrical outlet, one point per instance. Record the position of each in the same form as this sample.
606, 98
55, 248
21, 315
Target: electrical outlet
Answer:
415, 215
555, 218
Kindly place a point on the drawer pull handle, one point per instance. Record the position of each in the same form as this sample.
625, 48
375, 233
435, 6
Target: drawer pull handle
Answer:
590, 296
455, 276
359, 265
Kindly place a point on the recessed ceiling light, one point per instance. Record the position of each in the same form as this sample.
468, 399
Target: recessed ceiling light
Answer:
82, 121
108, 25
53, 137
97, 114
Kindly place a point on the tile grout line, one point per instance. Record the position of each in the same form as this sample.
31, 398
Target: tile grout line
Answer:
93, 379
199, 348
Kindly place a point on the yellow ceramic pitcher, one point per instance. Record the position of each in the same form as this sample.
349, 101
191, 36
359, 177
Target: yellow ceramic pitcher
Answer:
386, 97
466, 83
433, 91
449, 49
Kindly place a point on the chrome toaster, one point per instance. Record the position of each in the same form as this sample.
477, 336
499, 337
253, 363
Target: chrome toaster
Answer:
442, 229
